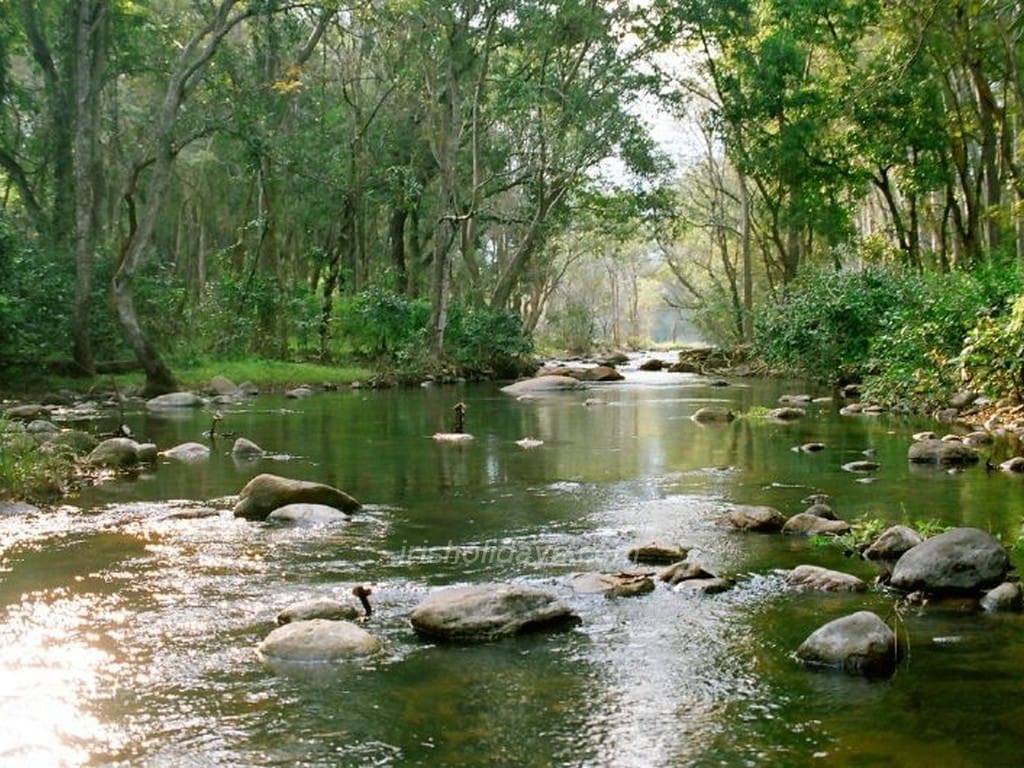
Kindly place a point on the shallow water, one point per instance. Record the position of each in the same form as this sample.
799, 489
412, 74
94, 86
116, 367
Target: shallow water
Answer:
128, 625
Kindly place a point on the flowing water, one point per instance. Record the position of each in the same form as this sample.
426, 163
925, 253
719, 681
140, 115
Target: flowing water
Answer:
129, 621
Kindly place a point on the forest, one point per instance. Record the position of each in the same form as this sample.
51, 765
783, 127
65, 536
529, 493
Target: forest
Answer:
454, 185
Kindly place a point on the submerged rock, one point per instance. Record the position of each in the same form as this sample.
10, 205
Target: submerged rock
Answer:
813, 577
489, 611
941, 452
713, 414
265, 493
786, 413
861, 466
860, 644
959, 560
318, 640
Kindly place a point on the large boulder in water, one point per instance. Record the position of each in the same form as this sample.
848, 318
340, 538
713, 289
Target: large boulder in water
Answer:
318, 640
860, 644
489, 611
265, 493
810, 524
542, 384
600, 373
959, 560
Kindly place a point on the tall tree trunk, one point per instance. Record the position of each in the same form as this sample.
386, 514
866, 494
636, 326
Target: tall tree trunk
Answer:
748, 267
188, 70
90, 22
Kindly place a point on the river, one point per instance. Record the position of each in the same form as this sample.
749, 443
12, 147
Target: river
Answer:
129, 617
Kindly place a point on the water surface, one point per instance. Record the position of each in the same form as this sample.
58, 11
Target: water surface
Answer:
128, 623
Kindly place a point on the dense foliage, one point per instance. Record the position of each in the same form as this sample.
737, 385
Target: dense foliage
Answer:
911, 338
430, 184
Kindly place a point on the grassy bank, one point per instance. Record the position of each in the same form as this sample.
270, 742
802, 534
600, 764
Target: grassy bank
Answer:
268, 375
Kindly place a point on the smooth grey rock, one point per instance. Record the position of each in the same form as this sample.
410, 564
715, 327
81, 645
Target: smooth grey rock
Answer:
759, 519
16, 509
222, 385
959, 560
188, 452
175, 400
299, 393
27, 412
246, 449
892, 543
248, 389
318, 640
265, 493
821, 509
308, 514
115, 452
795, 400
941, 452
612, 584
809, 524
540, 384
713, 414
860, 644
318, 608
489, 611
1008, 596
41, 427
813, 577
657, 552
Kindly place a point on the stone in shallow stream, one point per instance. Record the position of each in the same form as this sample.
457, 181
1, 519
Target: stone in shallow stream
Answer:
488, 612
318, 640
860, 644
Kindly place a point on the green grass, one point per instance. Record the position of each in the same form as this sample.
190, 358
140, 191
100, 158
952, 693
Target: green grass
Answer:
26, 473
268, 375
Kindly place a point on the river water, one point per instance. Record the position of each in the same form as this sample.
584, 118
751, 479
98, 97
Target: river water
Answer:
128, 622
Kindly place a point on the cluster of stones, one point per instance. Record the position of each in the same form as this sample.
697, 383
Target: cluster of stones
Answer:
961, 562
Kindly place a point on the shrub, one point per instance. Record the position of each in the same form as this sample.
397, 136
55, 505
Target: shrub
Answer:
992, 359
822, 328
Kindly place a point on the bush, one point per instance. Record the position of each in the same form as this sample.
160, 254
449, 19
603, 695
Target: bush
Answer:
389, 329
900, 333
992, 359
823, 327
